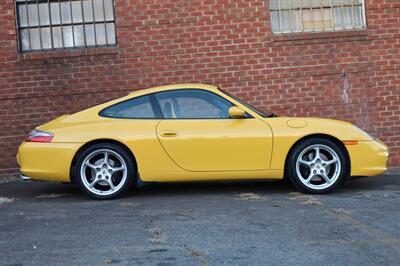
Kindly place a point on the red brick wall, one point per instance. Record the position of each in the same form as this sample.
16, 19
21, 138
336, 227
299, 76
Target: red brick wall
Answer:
354, 76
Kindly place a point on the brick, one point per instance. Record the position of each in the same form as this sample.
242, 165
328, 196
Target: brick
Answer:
350, 75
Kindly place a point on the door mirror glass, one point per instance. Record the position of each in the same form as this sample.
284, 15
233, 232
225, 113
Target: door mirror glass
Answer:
236, 113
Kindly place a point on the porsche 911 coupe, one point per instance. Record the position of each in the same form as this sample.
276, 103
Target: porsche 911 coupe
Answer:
194, 132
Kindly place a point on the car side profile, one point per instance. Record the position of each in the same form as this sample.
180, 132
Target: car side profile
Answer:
194, 132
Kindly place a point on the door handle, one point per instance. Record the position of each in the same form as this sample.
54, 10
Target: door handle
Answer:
168, 133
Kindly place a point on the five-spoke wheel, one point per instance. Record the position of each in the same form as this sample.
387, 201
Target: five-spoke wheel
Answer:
104, 171
317, 165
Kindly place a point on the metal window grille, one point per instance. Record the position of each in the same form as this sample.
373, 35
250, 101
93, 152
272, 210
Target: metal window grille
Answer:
61, 24
290, 16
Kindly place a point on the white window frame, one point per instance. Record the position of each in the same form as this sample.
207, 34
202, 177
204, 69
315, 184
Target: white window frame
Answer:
332, 6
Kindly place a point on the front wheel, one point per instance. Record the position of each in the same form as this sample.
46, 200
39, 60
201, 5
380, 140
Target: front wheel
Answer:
317, 166
104, 171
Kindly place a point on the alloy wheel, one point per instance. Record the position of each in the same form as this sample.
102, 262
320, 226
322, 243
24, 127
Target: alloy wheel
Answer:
103, 172
318, 167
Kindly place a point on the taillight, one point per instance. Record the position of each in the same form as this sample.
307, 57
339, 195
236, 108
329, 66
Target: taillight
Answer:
39, 136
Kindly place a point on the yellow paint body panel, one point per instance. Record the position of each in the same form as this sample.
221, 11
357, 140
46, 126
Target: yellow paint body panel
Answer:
203, 149
47, 161
368, 158
218, 144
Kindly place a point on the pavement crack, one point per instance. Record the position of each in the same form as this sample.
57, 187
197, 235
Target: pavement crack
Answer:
51, 196
251, 197
304, 199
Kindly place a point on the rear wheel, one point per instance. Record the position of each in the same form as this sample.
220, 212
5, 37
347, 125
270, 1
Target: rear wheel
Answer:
317, 166
104, 171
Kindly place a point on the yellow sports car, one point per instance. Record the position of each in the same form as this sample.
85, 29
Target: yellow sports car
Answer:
194, 132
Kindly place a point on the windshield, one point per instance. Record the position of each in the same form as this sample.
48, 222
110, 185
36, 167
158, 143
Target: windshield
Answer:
254, 109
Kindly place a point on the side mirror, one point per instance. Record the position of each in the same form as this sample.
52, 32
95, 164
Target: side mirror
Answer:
236, 113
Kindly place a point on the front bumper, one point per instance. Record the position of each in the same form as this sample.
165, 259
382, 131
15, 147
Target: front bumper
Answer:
368, 158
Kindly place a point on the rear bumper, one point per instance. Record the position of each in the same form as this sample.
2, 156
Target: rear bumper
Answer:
46, 161
368, 158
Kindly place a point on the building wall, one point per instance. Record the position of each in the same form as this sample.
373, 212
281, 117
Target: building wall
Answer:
353, 75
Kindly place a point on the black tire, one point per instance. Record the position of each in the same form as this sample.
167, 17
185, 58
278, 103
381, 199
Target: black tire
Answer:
291, 169
130, 170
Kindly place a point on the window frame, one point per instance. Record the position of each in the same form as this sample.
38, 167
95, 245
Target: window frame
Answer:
154, 105
61, 24
281, 32
248, 116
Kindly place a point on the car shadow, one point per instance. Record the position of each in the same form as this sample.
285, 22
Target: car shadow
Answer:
376, 183
212, 188
52, 190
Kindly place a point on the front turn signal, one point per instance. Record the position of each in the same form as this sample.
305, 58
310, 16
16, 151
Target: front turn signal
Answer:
350, 142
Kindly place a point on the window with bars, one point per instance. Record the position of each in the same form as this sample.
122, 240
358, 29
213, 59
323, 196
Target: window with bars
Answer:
290, 16
61, 24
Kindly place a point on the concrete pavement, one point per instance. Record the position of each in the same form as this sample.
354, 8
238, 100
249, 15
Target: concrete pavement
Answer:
257, 223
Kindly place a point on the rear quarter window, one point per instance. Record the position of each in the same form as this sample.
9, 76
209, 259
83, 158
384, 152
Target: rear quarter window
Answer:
140, 108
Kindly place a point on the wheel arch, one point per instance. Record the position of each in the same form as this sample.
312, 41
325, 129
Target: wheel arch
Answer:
324, 136
98, 141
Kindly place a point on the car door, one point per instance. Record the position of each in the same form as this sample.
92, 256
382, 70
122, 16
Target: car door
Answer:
198, 134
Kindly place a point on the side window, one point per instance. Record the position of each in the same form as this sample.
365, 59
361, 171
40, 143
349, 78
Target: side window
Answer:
135, 108
193, 104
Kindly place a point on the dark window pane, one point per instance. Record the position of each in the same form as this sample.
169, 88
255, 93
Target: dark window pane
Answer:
338, 18
98, 10
35, 39
44, 14
77, 12
87, 11
33, 15
358, 17
111, 33
100, 34
348, 18
285, 17
90, 36
275, 21
55, 13
57, 37
46, 38
109, 9
65, 12
68, 36
24, 35
273, 4
79, 36
23, 18
134, 108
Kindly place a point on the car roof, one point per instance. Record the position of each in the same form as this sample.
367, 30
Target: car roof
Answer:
174, 87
